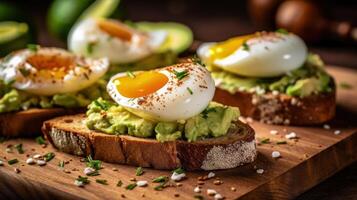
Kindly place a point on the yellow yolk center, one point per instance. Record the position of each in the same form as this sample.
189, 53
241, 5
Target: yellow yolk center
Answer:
141, 84
226, 48
115, 29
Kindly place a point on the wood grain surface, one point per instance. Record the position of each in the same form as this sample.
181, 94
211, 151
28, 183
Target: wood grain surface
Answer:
317, 154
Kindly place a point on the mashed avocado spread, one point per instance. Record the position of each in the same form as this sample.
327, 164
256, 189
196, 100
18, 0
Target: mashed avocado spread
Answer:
111, 118
309, 79
14, 100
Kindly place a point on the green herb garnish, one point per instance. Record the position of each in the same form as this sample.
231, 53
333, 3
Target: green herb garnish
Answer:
33, 47
103, 106
19, 148
281, 142
189, 90
161, 186
196, 60
160, 179
130, 186
130, 74
345, 85
90, 47
139, 171
265, 141
24, 72
101, 181
40, 140
95, 164
120, 183
181, 75
179, 170
49, 156
245, 46
61, 164
282, 31
83, 180
206, 111
13, 161
95, 173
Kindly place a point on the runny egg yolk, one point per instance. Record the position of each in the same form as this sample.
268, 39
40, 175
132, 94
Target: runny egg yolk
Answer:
141, 84
226, 48
115, 29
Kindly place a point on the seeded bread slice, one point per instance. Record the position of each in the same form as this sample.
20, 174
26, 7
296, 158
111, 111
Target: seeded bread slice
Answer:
280, 108
69, 134
28, 123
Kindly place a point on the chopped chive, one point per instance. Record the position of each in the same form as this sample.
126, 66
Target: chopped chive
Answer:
101, 181
281, 142
40, 140
130, 74
206, 111
49, 156
160, 187
139, 171
179, 170
265, 141
103, 105
130, 186
181, 75
245, 46
196, 60
120, 183
95, 164
189, 90
160, 179
19, 148
33, 47
13, 161
345, 85
82, 179
61, 164
282, 31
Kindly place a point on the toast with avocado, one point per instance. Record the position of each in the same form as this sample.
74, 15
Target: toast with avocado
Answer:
69, 134
38, 83
163, 118
272, 78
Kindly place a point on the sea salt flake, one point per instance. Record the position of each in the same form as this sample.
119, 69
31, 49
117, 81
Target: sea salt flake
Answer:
260, 171
291, 135
275, 154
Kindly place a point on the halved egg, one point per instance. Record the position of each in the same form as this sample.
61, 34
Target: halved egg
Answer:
263, 54
49, 71
172, 93
110, 38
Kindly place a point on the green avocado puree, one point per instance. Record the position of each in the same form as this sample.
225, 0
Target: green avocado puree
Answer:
111, 118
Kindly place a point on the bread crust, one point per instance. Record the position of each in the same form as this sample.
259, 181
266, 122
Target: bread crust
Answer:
69, 134
28, 123
281, 108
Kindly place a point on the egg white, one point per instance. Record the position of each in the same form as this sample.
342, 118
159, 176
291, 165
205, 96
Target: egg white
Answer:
269, 55
30, 78
118, 51
174, 101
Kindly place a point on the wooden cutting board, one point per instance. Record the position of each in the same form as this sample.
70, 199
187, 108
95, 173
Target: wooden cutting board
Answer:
317, 154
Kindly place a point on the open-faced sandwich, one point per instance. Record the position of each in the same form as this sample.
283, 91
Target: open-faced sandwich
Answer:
271, 77
131, 46
163, 119
38, 83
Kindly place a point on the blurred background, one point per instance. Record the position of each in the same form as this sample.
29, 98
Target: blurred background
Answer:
328, 27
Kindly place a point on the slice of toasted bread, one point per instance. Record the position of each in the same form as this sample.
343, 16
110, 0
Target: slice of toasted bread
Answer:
281, 108
69, 134
28, 123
